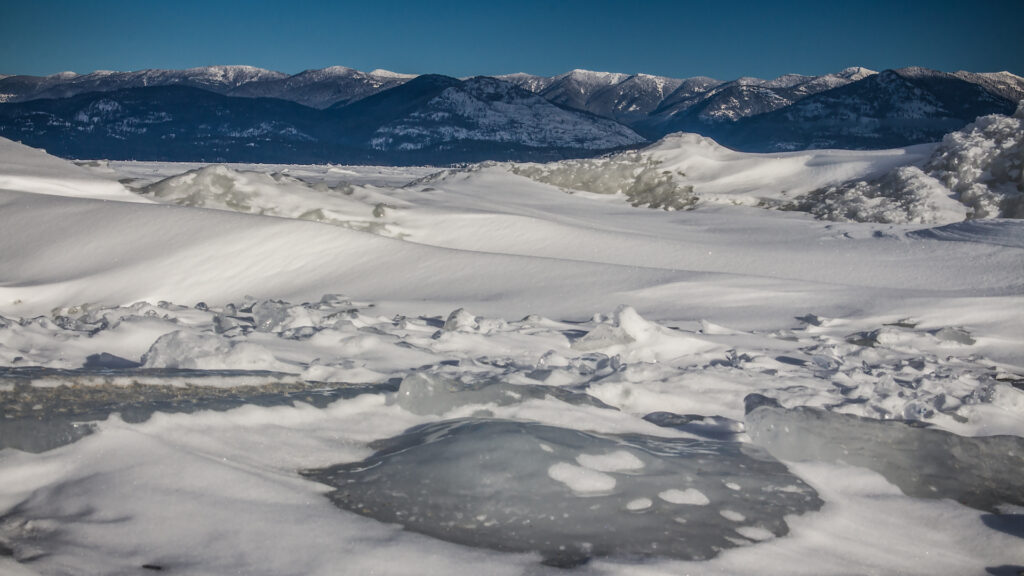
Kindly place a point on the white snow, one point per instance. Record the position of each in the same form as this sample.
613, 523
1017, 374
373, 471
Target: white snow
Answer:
976, 172
177, 349
690, 496
581, 480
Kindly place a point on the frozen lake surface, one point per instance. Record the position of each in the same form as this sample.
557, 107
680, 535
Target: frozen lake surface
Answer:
515, 369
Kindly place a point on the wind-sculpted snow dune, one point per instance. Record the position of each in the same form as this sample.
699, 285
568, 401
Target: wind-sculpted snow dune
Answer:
324, 369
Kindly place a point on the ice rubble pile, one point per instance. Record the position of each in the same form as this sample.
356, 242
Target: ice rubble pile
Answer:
983, 164
976, 172
893, 371
905, 195
570, 495
638, 176
223, 188
542, 435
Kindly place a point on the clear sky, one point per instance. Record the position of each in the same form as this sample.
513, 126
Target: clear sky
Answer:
723, 39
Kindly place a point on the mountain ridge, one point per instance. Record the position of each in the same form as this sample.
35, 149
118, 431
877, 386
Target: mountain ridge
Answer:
434, 118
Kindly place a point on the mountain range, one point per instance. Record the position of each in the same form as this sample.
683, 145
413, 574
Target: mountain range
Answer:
337, 114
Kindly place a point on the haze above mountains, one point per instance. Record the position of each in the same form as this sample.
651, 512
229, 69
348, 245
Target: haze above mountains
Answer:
337, 114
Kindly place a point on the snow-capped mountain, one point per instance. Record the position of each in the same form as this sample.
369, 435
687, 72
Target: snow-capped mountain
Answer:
726, 102
533, 83
315, 88
575, 88
620, 97
324, 87
429, 119
889, 109
484, 112
382, 116
657, 105
174, 123
220, 79
1005, 84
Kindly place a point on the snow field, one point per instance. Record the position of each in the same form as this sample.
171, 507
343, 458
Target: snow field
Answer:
202, 385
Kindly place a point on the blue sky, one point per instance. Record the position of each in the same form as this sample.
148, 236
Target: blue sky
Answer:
723, 39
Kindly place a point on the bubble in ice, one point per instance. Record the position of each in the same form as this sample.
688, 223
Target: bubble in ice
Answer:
571, 495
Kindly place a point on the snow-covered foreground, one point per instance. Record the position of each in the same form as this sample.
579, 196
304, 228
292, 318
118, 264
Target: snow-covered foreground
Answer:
324, 370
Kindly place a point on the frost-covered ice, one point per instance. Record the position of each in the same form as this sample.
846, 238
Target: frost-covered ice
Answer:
168, 369
490, 483
923, 462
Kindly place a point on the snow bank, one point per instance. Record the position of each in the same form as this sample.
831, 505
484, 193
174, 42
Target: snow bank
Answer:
31, 170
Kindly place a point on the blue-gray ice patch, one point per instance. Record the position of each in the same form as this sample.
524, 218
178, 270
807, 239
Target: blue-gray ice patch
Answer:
981, 472
570, 495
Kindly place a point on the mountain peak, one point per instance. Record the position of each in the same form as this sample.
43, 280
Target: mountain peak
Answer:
382, 73
856, 72
580, 74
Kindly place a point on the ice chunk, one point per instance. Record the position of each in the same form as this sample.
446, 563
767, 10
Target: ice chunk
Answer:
424, 393
461, 321
984, 163
191, 350
39, 435
522, 486
635, 339
639, 177
222, 187
981, 472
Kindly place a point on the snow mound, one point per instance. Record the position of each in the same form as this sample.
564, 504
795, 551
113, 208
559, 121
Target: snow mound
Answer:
906, 195
637, 176
220, 187
980, 472
976, 172
29, 169
984, 165
570, 495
